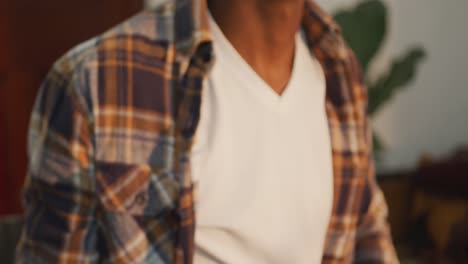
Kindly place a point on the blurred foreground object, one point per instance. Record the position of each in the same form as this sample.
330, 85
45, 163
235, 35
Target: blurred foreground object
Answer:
364, 29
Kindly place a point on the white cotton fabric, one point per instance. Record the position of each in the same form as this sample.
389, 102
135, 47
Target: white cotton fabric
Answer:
261, 163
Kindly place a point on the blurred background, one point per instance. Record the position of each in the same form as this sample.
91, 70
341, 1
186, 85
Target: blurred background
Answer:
415, 62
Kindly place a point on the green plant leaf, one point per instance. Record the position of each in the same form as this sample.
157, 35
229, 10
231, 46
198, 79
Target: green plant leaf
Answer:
364, 28
403, 70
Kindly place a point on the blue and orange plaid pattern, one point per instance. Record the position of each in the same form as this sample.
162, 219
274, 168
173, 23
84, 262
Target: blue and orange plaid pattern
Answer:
110, 136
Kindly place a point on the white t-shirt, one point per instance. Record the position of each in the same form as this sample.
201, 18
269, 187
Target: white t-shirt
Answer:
261, 163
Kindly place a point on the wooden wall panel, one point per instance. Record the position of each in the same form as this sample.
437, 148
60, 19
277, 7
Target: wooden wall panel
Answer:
4, 193
3, 36
44, 30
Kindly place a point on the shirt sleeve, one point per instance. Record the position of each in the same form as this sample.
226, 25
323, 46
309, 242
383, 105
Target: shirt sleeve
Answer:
373, 239
59, 197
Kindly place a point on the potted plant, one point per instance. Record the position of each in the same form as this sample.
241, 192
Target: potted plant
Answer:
364, 29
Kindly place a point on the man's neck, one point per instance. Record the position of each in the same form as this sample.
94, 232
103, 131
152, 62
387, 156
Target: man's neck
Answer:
263, 32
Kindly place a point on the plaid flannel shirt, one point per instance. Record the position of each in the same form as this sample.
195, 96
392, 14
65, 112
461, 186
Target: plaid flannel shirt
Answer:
110, 136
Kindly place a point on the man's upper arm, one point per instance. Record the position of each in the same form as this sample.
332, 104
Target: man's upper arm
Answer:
59, 193
373, 239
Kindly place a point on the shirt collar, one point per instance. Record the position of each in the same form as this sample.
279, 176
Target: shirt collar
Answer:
192, 29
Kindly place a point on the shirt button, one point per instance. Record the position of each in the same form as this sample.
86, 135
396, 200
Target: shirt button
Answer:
141, 198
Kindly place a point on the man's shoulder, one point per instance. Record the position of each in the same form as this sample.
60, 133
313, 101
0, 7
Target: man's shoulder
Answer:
143, 39
120, 66
120, 80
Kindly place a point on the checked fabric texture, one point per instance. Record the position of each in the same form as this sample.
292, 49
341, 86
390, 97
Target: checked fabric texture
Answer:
111, 132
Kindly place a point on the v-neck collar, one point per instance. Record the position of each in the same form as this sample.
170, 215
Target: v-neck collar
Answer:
245, 74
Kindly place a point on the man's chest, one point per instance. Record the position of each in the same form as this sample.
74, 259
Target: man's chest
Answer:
262, 167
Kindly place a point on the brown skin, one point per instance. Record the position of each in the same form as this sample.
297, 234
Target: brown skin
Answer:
263, 32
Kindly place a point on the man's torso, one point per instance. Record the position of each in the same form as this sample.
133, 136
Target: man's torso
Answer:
261, 162
140, 89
